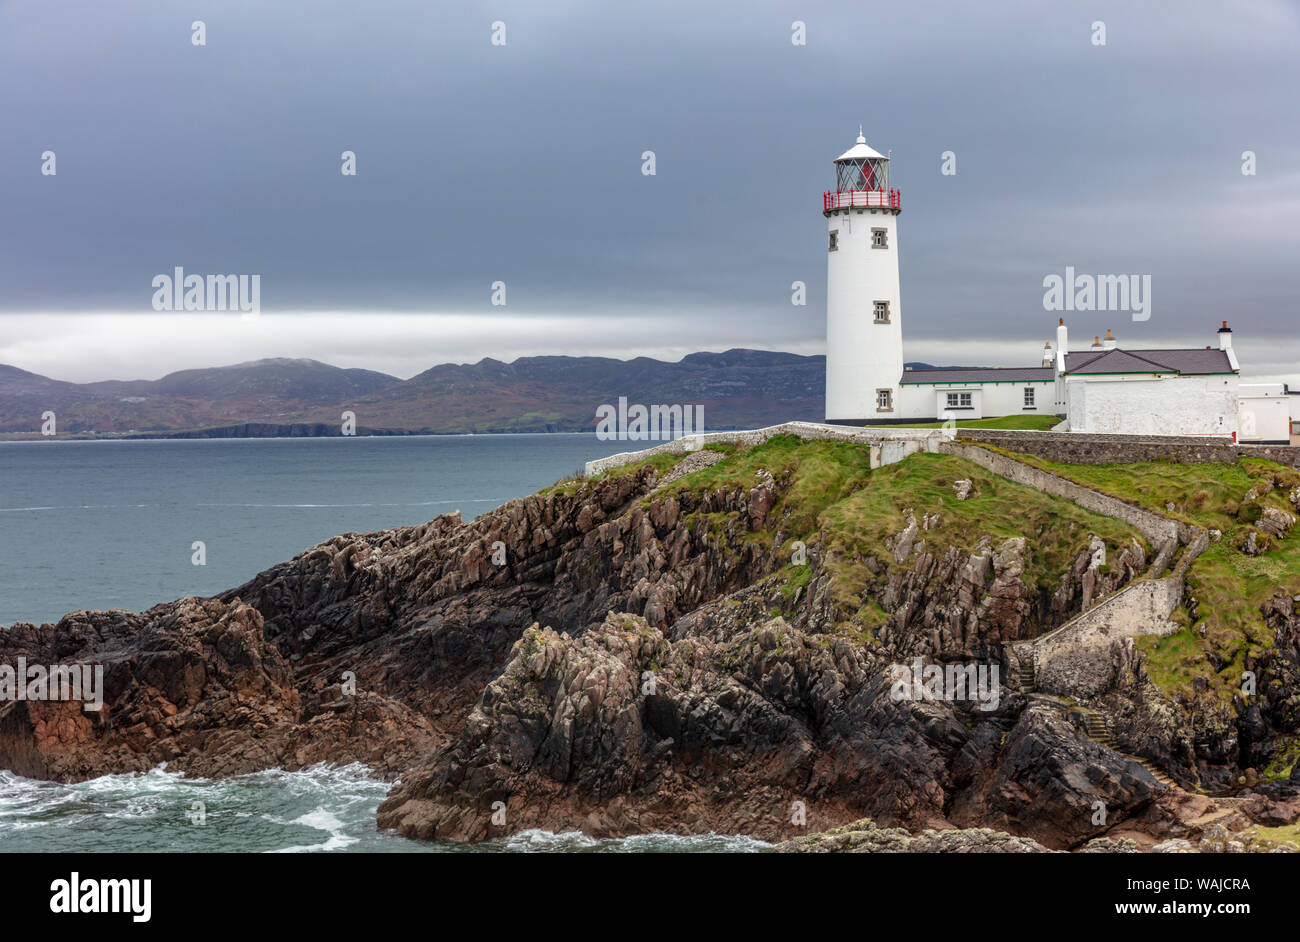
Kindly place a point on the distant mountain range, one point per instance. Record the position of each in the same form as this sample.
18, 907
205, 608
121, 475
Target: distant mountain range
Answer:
299, 397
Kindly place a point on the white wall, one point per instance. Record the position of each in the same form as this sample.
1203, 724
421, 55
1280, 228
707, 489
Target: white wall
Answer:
861, 355
1265, 414
1144, 404
930, 401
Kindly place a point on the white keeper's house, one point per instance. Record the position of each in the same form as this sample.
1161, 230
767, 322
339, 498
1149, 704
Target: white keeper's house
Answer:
1103, 388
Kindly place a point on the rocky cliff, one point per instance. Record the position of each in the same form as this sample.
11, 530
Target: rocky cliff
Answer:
709, 643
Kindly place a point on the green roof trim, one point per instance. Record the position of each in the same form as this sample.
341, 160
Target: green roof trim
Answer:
980, 382
1151, 373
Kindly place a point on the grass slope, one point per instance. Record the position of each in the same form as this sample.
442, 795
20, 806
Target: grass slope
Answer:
834, 500
1228, 585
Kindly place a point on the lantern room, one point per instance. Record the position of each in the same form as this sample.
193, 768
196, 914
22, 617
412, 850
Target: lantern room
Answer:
861, 179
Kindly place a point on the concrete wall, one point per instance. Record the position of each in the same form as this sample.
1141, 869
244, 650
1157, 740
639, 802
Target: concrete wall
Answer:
888, 445
1265, 412
1157, 529
930, 401
1068, 661
1152, 405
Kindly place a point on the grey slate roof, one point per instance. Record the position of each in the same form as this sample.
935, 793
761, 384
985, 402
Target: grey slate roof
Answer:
1187, 362
1083, 363
991, 374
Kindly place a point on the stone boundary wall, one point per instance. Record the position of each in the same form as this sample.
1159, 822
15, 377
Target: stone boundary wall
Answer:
1067, 661
1157, 529
1067, 447
1075, 448
888, 445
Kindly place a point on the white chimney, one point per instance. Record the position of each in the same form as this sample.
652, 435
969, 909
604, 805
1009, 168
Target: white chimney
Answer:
1096, 343
1109, 342
1062, 346
1225, 337
1048, 359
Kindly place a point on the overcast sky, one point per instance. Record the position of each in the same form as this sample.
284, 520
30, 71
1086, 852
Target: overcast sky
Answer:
522, 163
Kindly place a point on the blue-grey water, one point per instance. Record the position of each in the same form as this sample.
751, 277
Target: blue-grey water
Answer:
317, 810
112, 525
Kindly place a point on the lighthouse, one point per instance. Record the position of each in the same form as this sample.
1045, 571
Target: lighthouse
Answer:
864, 329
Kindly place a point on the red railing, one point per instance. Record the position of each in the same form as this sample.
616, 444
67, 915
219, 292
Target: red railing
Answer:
851, 199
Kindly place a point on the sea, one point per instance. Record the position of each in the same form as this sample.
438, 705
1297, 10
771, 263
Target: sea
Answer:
122, 524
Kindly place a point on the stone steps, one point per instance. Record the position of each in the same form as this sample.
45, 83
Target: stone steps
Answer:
1026, 679
1099, 730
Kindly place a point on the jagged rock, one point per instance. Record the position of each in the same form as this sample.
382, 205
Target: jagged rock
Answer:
738, 728
618, 669
864, 837
963, 488
1109, 845
1097, 547
1258, 490
695, 461
1049, 780
193, 684
1275, 522
903, 542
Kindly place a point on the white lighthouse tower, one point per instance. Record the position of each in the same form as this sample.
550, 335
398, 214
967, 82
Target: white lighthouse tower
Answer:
864, 331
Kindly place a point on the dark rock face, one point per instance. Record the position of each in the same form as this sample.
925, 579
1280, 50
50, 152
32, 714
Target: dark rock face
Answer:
624, 730
193, 684
741, 727
1209, 741
620, 660
1057, 785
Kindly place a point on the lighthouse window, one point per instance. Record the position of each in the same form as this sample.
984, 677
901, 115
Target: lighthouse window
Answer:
1029, 397
884, 400
879, 239
835, 240
959, 401
882, 312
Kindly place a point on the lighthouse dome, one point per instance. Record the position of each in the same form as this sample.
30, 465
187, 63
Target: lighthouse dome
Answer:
860, 168
861, 151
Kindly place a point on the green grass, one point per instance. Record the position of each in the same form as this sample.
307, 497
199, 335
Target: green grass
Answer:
1207, 495
831, 500
820, 474
1284, 759
1056, 529
1228, 585
1287, 834
568, 487
1032, 422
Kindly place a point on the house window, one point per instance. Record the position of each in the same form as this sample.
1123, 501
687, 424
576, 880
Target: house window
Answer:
879, 239
959, 400
1029, 397
882, 312
835, 240
884, 400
